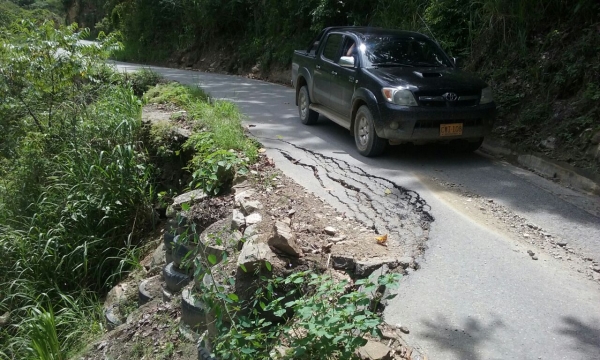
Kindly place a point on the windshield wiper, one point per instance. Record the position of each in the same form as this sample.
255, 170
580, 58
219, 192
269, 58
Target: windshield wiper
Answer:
424, 64
390, 64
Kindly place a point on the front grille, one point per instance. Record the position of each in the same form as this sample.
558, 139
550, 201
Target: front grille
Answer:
429, 124
438, 99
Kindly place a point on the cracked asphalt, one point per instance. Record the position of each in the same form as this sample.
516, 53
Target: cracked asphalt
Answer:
477, 294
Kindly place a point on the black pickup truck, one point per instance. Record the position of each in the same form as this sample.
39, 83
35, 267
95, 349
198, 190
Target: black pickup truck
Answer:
389, 86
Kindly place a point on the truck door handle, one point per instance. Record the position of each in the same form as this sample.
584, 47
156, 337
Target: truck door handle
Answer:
333, 73
318, 66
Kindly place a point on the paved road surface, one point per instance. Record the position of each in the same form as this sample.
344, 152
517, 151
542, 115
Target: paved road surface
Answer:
477, 295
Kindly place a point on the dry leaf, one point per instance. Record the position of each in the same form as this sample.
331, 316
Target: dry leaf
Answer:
381, 240
388, 191
262, 150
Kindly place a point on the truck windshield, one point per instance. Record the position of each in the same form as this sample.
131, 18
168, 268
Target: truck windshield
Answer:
381, 51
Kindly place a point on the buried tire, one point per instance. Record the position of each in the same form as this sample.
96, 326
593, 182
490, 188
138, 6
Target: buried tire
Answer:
366, 139
193, 311
175, 279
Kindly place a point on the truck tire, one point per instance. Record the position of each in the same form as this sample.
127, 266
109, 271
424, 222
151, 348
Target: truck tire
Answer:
307, 116
365, 137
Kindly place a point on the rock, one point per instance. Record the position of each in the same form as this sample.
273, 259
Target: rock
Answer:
251, 231
239, 179
531, 253
250, 206
595, 268
596, 138
242, 196
279, 352
254, 255
253, 219
534, 258
338, 239
375, 351
158, 257
364, 268
330, 231
404, 329
238, 221
526, 235
562, 243
4, 319
406, 261
284, 240
343, 262
190, 197
549, 143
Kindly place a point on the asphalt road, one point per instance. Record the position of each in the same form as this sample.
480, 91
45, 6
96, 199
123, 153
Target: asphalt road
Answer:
477, 295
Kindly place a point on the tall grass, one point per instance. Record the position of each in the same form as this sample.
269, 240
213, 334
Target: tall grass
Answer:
75, 187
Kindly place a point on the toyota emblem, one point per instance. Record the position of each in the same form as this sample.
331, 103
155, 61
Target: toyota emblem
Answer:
450, 96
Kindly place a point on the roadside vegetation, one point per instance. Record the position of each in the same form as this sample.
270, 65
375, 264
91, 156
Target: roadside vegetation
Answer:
541, 57
78, 182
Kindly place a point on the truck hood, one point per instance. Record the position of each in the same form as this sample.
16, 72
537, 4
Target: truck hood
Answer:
428, 79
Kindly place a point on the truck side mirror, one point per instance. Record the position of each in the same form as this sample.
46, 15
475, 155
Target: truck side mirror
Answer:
346, 61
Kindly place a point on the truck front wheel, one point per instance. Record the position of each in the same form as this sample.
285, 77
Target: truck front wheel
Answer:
365, 137
307, 116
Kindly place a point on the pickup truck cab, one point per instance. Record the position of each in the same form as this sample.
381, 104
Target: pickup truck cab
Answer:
390, 86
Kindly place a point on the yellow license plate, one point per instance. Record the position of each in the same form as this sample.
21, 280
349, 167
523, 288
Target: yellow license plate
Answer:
451, 129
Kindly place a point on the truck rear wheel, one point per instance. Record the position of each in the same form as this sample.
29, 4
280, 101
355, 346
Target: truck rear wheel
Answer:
307, 116
365, 137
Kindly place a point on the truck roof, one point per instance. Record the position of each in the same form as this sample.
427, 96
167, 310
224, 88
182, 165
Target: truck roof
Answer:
363, 31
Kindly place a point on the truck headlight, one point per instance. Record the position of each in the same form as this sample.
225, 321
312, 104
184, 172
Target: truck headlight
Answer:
486, 96
399, 96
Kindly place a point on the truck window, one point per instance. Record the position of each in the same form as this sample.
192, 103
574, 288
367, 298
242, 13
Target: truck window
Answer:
332, 47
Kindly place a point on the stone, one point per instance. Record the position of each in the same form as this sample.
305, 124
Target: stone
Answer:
254, 255
534, 258
343, 262
364, 268
280, 352
595, 268
374, 350
247, 194
531, 253
158, 256
330, 230
338, 239
251, 231
284, 240
253, 219
549, 143
190, 198
562, 243
238, 221
250, 206
404, 329
406, 261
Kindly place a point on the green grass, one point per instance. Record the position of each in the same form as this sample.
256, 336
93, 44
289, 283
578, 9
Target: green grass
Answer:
75, 189
220, 147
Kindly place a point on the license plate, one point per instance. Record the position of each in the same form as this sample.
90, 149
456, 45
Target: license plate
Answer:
451, 129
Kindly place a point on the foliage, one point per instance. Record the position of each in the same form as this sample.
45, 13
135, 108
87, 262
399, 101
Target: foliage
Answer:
220, 148
312, 314
75, 189
37, 12
142, 80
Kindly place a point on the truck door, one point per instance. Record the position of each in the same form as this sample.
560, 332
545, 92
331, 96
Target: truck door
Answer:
344, 79
325, 68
